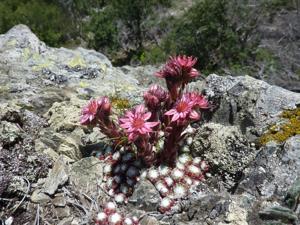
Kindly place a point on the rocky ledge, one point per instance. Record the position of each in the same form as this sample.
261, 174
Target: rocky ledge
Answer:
48, 172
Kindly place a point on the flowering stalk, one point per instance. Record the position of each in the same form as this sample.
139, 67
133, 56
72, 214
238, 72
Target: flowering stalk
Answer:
168, 112
98, 112
177, 72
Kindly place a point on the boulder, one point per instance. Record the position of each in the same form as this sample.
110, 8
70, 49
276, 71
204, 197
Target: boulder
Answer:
224, 147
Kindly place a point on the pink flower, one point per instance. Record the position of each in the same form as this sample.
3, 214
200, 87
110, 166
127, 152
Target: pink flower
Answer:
135, 122
183, 110
104, 105
89, 112
179, 69
155, 96
95, 109
199, 100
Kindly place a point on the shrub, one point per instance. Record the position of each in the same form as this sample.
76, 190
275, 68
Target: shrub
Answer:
216, 31
104, 28
45, 18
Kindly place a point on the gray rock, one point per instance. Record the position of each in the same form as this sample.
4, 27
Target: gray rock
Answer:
63, 212
9, 133
250, 104
36, 76
86, 174
293, 195
279, 213
64, 116
149, 220
38, 196
145, 196
274, 170
66, 221
57, 177
55, 144
223, 146
59, 200
17, 184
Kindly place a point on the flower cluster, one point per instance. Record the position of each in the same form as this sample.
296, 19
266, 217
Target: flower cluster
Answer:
164, 112
150, 135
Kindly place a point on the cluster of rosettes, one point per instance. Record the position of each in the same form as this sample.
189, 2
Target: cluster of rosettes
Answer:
150, 135
110, 216
121, 173
176, 183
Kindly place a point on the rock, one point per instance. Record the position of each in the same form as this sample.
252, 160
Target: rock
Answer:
86, 174
145, 196
250, 104
293, 195
54, 144
66, 221
4, 182
17, 184
59, 200
236, 215
39, 197
274, 170
144, 74
149, 220
9, 133
57, 177
223, 146
64, 116
9, 112
36, 76
62, 212
279, 213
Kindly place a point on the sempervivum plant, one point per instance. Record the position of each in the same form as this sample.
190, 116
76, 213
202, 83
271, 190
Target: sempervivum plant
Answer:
164, 111
151, 134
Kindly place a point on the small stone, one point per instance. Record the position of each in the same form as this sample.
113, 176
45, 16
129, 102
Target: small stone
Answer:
149, 220
39, 197
66, 221
9, 221
59, 200
63, 212
57, 177
145, 196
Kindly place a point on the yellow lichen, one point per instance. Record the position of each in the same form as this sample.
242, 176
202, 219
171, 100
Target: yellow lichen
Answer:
120, 104
83, 84
26, 54
41, 66
77, 61
280, 133
11, 43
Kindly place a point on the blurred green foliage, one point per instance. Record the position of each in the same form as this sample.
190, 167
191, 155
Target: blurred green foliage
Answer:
211, 30
101, 31
45, 18
219, 32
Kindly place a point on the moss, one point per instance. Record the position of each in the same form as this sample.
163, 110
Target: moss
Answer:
282, 132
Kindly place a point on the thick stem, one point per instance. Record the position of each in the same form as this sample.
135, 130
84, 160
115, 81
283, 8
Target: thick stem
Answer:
145, 150
170, 151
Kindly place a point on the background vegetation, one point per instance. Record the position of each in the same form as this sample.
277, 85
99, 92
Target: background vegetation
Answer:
219, 32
